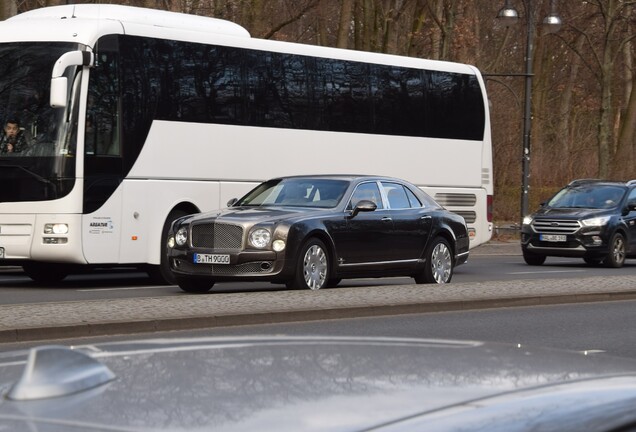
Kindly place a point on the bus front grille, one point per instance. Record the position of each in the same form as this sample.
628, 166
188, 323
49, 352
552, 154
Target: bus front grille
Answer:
217, 236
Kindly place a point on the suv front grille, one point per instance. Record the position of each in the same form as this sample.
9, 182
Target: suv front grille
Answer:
217, 236
556, 226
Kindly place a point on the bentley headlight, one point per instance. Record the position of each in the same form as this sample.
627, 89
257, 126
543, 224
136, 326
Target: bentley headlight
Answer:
260, 237
596, 222
181, 237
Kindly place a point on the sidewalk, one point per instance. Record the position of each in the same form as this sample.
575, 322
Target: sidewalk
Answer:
141, 315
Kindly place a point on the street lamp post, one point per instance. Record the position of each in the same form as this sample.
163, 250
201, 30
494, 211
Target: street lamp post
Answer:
552, 23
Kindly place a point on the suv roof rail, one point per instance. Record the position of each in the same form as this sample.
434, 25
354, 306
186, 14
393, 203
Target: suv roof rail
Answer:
631, 182
581, 181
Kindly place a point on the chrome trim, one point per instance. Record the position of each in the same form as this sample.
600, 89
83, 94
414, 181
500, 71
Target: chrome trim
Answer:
578, 248
462, 254
379, 263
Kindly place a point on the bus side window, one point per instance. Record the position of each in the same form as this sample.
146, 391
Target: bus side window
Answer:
102, 116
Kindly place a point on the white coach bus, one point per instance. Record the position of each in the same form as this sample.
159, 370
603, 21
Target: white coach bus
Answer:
133, 117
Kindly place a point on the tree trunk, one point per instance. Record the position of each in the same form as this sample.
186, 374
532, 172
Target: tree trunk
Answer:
563, 135
8, 9
344, 26
624, 156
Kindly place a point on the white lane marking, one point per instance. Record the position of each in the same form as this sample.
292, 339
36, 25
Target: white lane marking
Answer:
548, 271
592, 351
123, 289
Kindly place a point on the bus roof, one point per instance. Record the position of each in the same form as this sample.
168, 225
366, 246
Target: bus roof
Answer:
91, 21
136, 15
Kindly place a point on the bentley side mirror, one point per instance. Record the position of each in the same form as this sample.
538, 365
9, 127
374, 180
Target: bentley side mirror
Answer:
231, 202
363, 206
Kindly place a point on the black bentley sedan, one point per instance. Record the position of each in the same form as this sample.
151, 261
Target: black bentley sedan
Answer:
313, 231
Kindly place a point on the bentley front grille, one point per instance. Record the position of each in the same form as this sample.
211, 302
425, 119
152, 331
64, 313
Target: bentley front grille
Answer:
217, 236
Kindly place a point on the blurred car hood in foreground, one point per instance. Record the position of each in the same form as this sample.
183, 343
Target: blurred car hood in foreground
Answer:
331, 384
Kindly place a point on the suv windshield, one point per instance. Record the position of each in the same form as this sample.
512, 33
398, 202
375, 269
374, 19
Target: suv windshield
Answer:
589, 196
36, 162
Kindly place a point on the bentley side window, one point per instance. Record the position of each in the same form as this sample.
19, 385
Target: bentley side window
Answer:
369, 192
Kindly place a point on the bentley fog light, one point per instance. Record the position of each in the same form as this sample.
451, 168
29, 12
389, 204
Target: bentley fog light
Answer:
597, 221
56, 228
181, 237
278, 245
259, 238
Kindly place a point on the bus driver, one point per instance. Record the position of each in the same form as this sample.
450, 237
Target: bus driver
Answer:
12, 139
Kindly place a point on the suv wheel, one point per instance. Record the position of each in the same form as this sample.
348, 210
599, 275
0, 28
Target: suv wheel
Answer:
616, 255
533, 259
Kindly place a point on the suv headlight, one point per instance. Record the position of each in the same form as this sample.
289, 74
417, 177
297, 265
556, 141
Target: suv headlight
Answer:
527, 220
260, 237
181, 237
596, 222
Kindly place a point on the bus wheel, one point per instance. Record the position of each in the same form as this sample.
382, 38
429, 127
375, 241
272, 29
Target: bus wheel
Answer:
46, 273
161, 274
195, 286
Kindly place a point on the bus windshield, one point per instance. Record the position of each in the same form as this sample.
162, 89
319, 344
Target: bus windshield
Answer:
37, 142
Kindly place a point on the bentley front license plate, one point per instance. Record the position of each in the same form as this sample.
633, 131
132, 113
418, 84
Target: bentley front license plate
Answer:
211, 259
552, 237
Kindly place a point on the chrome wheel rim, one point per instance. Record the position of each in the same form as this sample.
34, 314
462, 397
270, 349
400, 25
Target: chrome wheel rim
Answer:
315, 267
619, 250
441, 263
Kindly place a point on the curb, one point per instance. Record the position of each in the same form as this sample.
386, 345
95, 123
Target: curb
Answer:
266, 313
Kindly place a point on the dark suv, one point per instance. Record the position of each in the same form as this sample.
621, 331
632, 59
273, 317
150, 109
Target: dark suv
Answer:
591, 219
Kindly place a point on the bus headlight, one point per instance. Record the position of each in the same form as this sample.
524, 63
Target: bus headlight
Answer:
56, 228
181, 237
259, 238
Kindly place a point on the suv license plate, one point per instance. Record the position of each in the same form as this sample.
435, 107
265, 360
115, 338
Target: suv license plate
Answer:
211, 259
553, 237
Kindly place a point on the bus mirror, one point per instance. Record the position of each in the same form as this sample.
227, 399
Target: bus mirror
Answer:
59, 85
58, 92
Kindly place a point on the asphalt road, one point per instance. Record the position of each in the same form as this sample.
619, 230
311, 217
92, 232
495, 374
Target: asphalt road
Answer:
496, 261
495, 277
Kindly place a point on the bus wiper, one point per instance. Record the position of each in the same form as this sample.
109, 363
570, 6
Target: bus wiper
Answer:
29, 172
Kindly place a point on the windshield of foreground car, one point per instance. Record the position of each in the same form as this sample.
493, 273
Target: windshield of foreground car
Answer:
296, 192
588, 196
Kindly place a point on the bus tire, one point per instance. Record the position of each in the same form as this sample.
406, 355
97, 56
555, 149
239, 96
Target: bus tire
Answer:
45, 273
161, 274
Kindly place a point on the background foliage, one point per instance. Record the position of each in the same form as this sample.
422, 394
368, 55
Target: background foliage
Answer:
584, 106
